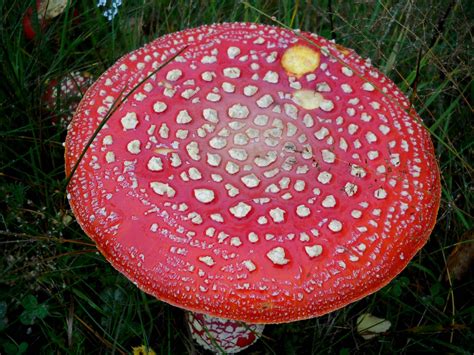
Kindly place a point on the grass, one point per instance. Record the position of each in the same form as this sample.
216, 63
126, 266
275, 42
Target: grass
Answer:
59, 295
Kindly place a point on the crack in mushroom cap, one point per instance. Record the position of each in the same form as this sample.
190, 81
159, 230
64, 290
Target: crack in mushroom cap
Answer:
218, 187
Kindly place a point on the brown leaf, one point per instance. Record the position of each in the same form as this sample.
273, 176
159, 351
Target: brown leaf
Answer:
461, 258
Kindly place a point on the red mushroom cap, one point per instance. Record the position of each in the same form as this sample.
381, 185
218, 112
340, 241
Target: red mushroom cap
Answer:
65, 95
28, 27
262, 175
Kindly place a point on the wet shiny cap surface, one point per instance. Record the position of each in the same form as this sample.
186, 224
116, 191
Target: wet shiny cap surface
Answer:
261, 175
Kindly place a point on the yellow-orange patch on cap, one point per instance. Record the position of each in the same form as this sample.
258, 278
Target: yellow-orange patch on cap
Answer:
299, 60
342, 49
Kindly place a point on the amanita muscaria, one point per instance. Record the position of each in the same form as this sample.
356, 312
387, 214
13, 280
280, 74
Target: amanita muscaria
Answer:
63, 95
262, 175
46, 10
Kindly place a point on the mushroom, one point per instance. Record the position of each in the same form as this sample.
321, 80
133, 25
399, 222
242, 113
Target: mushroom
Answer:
46, 10
63, 95
222, 335
260, 175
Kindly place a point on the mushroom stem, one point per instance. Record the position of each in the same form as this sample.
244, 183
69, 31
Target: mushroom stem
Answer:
221, 335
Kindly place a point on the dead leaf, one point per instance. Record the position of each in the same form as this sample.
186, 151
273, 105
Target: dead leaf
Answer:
461, 258
50, 9
369, 326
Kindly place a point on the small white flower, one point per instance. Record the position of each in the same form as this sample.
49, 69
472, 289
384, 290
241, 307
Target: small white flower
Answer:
111, 9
